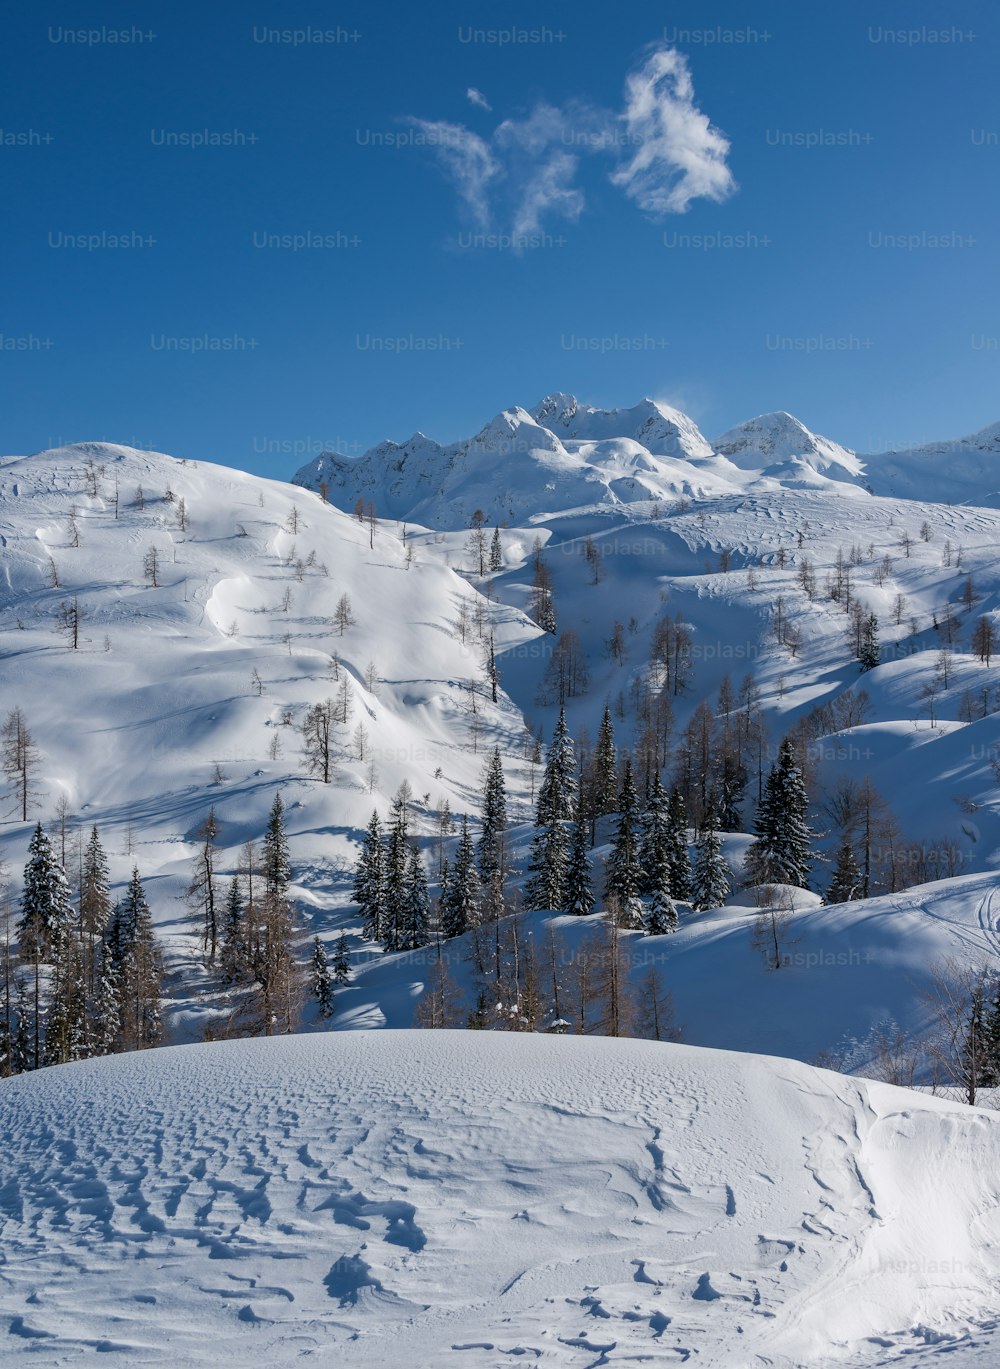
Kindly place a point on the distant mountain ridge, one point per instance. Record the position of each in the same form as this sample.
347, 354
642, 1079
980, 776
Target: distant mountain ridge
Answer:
561, 454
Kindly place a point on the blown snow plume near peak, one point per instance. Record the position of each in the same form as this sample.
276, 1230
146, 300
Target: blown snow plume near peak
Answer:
404, 1198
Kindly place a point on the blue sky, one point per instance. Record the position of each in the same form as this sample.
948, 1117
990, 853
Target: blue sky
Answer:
731, 207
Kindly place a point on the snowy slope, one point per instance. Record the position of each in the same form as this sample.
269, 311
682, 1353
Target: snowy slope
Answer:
132, 725
428, 1198
963, 471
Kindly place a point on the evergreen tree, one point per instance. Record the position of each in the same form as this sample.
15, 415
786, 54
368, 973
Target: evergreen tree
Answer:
322, 985
341, 961
95, 895
233, 958
711, 882
624, 870
415, 931
548, 864
780, 853
496, 551
869, 654
490, 856
604, 769
22, 1056
45, 907
107, 1012
461, 905
277, 868
846, 882
578, 889
397, 862
369, 880
557, 791
654, 848
662, 916
140, 969
677, 847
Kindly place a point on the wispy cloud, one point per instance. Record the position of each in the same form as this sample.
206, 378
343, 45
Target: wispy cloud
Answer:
666, 152
467, 161
476, 97
679, 156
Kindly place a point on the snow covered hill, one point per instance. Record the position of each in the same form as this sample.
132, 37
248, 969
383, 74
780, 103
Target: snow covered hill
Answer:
390, 1199
189, 693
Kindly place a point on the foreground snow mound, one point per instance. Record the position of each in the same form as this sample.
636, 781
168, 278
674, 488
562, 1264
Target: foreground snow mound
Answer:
405, 1198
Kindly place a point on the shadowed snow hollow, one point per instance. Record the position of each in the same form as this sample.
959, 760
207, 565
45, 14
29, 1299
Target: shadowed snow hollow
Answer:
404, 1198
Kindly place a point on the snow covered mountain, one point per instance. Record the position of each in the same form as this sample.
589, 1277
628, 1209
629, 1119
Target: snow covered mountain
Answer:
421, 1198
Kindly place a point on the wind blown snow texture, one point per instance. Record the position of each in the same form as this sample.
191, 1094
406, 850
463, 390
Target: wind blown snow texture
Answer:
381, 1199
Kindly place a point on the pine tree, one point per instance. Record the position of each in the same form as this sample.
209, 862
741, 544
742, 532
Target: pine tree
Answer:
95, 895
369, 880
557, 791
578, 888
415, 931
677, 847
846, 882
496, 551
45, 916
341, 961
604, 769
107, 1023
277, 868
711, 882
624, 870
460, 909
780, 853
322, 985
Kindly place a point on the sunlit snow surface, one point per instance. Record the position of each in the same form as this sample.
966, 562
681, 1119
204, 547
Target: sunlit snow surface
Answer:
417, 1199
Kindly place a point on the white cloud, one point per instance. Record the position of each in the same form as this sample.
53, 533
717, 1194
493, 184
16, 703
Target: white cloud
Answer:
667, 152
466, 160
476, 97
678, 156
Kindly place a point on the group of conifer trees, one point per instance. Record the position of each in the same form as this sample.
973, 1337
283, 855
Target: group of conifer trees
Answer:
83, 975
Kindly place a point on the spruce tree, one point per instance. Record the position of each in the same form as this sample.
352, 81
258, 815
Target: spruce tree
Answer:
277, 868
461, 905
397, 860
95, 896
677, 847
341, 961
711, 882
662, 916
847, 881
654, 847
557, 791
780, 853
234, 954
624, 870
322, 985
604, 769
415, 931
369, 880
869, 653
45, 907
490, 847
548, 863
496, 551
578, 890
